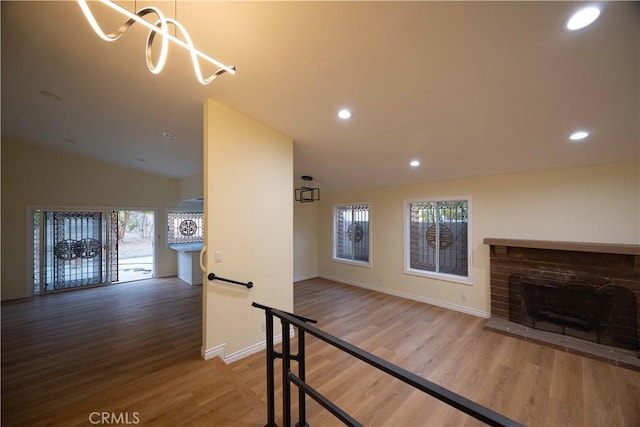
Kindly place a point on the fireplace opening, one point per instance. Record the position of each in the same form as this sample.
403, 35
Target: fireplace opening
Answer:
605, 314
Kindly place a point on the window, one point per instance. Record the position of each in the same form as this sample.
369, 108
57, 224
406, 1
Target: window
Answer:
351, 233
185, 227
437, 241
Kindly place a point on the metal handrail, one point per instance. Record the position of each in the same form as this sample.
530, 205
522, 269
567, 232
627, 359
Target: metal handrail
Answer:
297, 316
212, 276
459, 402
272, 355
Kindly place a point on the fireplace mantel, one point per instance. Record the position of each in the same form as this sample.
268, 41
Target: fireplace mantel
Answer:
604, 248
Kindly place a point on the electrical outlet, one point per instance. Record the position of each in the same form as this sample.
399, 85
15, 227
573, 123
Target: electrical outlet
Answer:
218, 256
463, 296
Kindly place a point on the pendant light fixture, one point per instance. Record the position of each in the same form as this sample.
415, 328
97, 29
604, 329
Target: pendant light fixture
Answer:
306, 193
160, 28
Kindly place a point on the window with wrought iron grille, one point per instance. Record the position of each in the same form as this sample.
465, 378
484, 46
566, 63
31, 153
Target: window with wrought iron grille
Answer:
437, 238
351, 233
185, 227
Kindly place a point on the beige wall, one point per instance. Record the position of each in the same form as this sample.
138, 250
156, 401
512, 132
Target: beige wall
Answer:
191, 187
249, 220
305, 241
590, 204
33, 176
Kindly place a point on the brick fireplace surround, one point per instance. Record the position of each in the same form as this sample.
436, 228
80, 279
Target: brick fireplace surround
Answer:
563, 262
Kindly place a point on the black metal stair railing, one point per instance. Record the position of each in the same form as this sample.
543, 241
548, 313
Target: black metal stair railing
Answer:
301, 323
272, 355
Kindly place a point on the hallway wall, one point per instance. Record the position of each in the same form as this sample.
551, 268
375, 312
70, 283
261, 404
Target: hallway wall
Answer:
305, 241
248, 229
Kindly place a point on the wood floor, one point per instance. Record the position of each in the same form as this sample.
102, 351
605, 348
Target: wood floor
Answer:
533, 384
134, 350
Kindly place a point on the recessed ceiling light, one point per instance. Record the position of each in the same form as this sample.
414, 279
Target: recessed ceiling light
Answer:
582, 18
414, 163
169, 135
50, 95
579, 135
344, 114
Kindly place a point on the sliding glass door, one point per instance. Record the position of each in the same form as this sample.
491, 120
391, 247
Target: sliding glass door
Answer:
74, 249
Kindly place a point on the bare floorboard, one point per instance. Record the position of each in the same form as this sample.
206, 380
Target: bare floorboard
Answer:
135, 349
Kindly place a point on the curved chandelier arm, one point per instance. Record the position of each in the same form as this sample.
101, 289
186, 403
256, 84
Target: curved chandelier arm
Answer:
160, 27
164, 32
96, 27
192, 52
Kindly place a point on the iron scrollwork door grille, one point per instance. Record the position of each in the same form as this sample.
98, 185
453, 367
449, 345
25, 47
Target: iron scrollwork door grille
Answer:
38, 261
114, 239
73, 245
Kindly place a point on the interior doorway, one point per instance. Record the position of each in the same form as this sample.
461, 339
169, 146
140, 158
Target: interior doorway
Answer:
135, 245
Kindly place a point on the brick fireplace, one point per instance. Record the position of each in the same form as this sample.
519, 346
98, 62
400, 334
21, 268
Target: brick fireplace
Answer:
582, 297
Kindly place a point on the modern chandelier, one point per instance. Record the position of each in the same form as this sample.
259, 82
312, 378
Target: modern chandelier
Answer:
160, 28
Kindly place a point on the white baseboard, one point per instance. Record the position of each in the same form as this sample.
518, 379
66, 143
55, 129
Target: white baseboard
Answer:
210, 353
220, 350
419, 298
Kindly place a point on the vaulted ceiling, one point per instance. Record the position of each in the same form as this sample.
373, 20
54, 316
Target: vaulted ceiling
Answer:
467, 88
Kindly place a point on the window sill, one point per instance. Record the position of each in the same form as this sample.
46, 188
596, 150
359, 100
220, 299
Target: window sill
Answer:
440, 276
352, 262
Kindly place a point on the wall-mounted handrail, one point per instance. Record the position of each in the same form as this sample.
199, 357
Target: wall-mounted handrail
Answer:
459, 402
212, 276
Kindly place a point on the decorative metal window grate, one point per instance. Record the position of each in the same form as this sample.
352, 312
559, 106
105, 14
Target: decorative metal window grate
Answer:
185, 227
351, 239
438, 240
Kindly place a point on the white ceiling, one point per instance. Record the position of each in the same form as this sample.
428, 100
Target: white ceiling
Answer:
469, 89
